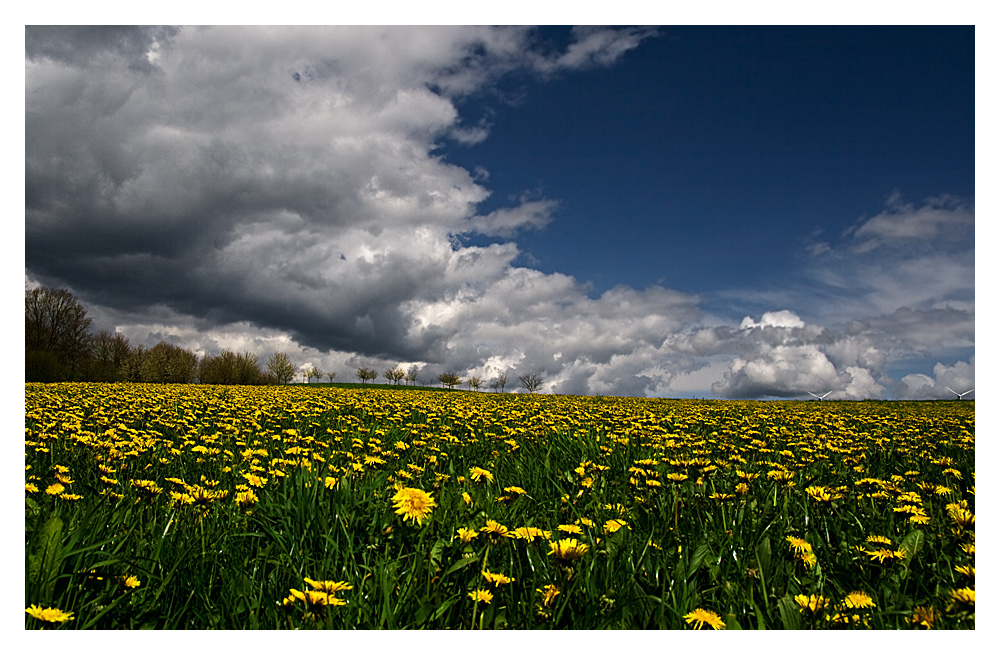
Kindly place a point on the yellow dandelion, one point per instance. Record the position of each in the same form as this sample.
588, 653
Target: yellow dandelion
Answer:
968, 571
883, 554
810, 603
700, 618
821, 494
477, 474
568, 549
495, 530
923, 616
328, 586
49, 614
612, 526
858, 599
497, 579
530, 534
549, 593
246, 498
481, 596
963, 597
413, 504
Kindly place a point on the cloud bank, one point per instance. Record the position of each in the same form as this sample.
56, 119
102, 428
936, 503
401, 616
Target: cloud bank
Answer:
283, 189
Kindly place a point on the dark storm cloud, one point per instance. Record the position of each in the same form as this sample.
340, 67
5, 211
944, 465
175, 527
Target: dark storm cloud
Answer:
83, 46
273, 175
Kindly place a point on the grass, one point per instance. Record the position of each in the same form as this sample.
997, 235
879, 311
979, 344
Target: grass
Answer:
221, 502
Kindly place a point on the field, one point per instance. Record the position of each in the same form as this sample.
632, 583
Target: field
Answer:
197, 507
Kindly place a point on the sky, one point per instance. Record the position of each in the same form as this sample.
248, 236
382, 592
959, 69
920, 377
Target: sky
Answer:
709, 212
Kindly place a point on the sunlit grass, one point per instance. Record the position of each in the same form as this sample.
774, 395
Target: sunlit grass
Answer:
184, 506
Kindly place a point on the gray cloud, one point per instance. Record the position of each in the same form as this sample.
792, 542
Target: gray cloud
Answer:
274, 189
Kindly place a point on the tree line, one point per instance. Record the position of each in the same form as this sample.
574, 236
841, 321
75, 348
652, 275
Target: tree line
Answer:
59, 346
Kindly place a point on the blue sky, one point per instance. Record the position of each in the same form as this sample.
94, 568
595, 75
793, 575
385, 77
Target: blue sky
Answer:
738, 144
734, 212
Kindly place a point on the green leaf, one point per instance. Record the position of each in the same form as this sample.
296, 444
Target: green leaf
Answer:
436, 549
763, 552
912, 543
701, 554
791, 618
460, 564
47, 553
732, 623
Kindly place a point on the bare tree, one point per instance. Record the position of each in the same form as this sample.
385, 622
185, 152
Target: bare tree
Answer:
499, 382
166, 363
109, 350
530, 381
474, 383
281, 367
314, 373
411, 374
450, 380
365, 374
56, 334
394, 375
331, 375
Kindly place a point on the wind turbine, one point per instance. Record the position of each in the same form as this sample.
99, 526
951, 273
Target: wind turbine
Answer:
819, 397
959, 395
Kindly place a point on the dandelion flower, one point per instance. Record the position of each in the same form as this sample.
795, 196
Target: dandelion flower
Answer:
530, 534
961, 516
131, 582
969, 571
700, 618
858, 599
549, 593
246, 498
497, 579
495, 531
612, 526
965, 596
481, 595
799, 546
812, 603
823, 494
477, 474
413, 504
883, 554
328, 586
466, 535
49, 614
568, 549
571, 529
923, 616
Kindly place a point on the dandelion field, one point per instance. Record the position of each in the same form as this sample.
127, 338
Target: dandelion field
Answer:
214, 507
